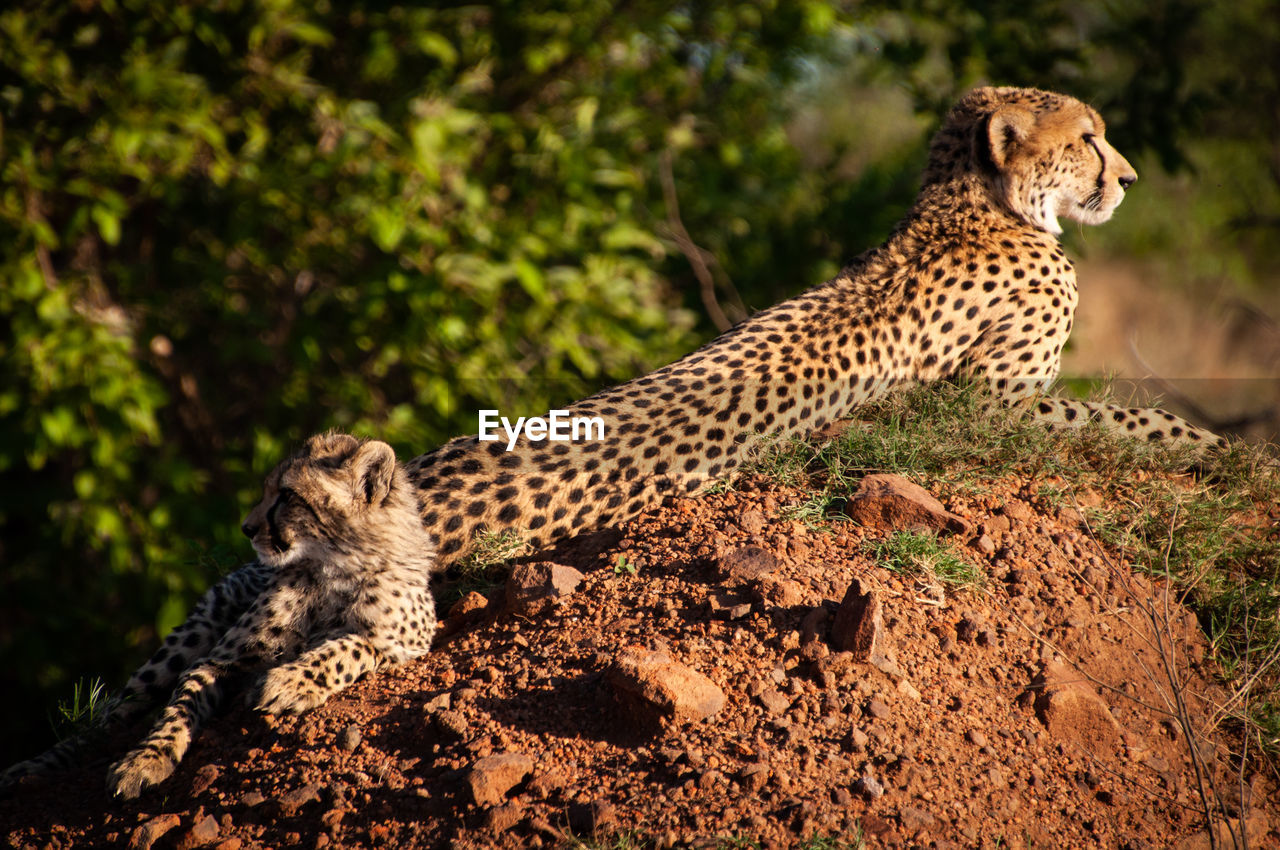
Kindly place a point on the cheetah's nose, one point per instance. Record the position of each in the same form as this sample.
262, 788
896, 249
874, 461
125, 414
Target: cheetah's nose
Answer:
1126, 181
249, 529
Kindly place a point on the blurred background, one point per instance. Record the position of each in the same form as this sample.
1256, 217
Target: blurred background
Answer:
225, 226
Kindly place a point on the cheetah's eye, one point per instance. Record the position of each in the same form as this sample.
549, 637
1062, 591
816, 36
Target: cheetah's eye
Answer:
1087, 138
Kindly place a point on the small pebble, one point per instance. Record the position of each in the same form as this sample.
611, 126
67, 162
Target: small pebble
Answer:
877, 709
349, 738
869, 787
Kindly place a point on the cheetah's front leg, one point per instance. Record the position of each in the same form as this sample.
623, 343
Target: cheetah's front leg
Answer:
1021, 366
270, 629
153, 761
1028, 389
1145, 423
316, 675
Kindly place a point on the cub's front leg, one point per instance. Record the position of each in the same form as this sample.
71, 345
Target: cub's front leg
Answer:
319, 673
153, 761
268, 631
392, 621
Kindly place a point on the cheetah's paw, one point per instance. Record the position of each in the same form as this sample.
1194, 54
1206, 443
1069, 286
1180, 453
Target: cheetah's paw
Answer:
137, 771
285, 690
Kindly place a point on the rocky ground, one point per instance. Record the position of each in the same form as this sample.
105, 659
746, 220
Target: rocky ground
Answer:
718, 674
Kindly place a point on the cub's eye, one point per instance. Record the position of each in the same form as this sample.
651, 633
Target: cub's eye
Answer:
1088, 138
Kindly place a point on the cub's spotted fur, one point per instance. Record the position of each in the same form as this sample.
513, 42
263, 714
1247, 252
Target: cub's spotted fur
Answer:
340, 589
971, 283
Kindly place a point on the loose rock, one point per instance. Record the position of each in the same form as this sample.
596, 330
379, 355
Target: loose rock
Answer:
653, 687
891, 502
783, 593
858, 739
747, 564
205, 831
859, 622
754, 776
1073, 711
752, 522
291, 802
531, 586
470, 604
868, 787
451, 724
205, 776
349, 738
147, 834
728, 606
493, 776
915, 819
773, 701
877, 709
502, 818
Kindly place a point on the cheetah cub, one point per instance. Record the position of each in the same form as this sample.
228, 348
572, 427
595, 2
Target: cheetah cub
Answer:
341, 589
339, 524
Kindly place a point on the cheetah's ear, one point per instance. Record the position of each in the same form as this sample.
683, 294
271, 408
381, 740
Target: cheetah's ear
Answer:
1007, 128
372, 469
332, 446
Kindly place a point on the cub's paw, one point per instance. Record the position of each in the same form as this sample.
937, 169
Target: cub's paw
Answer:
287, 690
137, 771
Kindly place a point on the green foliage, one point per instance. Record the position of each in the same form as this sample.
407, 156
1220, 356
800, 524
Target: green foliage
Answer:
492, 549
482, 571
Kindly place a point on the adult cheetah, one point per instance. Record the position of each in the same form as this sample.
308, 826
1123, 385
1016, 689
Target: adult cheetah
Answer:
971, 283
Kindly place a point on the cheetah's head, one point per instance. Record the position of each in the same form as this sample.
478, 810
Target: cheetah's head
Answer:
1043, 156
338, 501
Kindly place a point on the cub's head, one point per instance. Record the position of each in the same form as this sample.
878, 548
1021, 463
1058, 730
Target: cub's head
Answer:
338, 498
1043, 156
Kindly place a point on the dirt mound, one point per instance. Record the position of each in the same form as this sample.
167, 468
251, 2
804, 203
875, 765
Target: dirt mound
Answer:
689, 690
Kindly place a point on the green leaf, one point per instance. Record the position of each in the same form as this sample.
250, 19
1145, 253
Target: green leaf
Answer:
387, 227
108, 224
59, 425
436, 45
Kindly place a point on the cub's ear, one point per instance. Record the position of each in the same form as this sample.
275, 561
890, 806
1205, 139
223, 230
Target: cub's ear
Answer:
372, 469
331, 447
1007, 129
